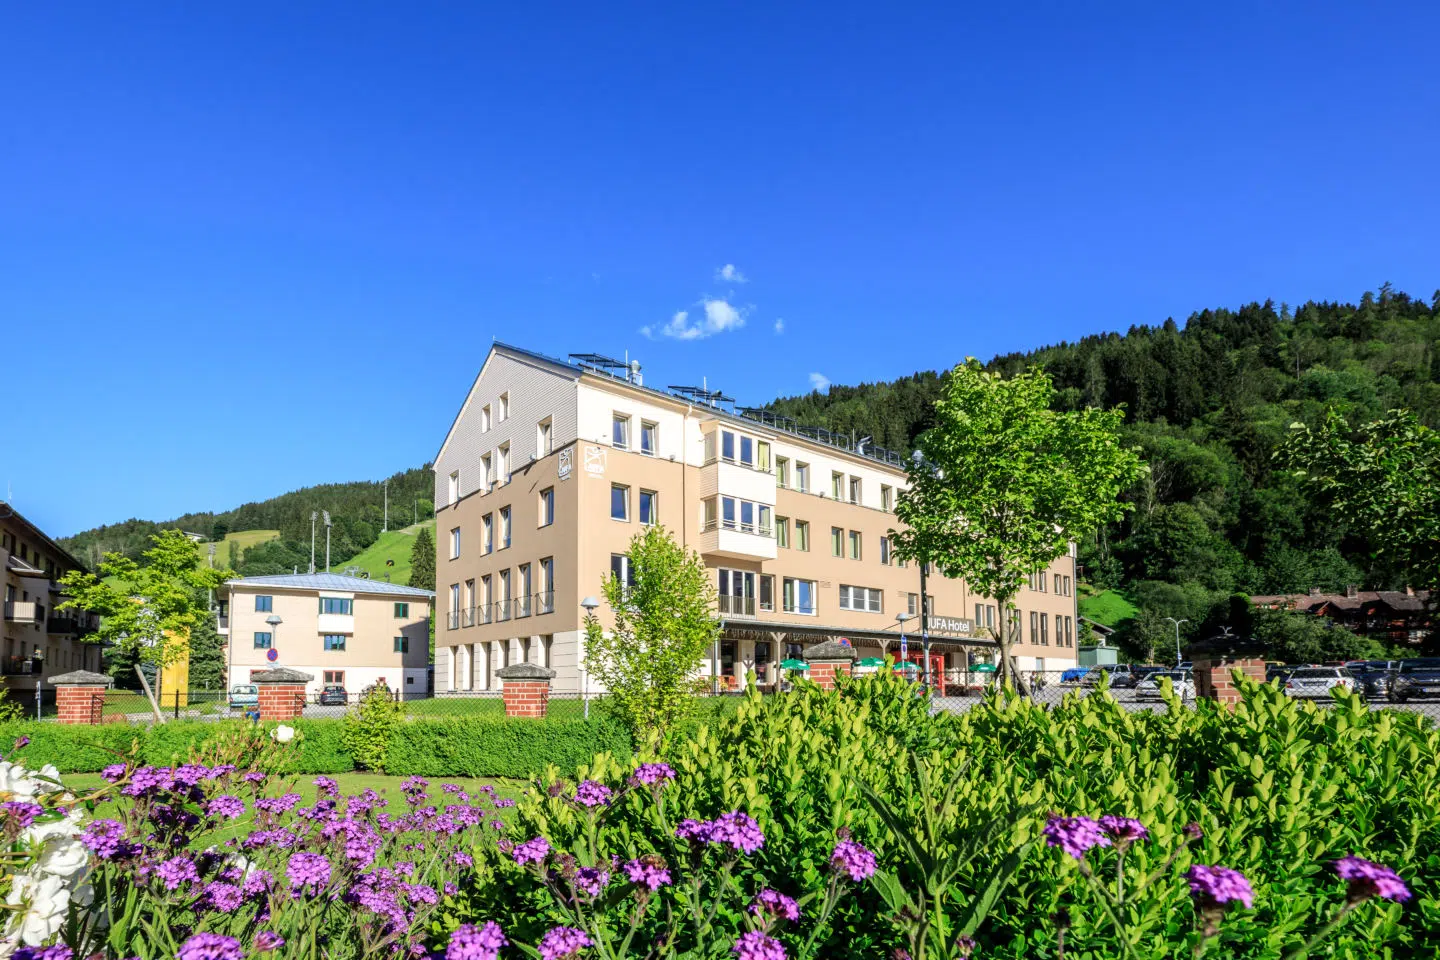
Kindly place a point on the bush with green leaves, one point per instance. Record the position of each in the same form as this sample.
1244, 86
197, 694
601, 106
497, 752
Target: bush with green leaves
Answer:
500, 747
368, 728
955, 809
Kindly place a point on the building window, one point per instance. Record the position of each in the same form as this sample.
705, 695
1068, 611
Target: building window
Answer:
1045, 629
912, 603
765, 513
402, 611
782, 532
1059, 586
485, 598
782, 471
802, 477
454, 605
502, 462
504, 528
469, 603
264, 604
708, 517
487, 467
485, 418
837, 542
854, 489
503, 408
737, 592
747, 451
1069, 587
802, 535
866, 599
454, 485
885, 551
798, 596
620, 432
837, 485
887, 497
854, 544
341, 605
262, 640
649, 506
402, 644
1034, 628
547, 506
621, 570
762, 456
619, 502
543, 438
334, 678
523, 590
487, 533
503, 608
727, 446
545, 599
767, 593
335, 641
454, 543
649, 438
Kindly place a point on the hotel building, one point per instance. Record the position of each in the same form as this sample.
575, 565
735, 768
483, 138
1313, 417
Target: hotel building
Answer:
38, 641
551, 467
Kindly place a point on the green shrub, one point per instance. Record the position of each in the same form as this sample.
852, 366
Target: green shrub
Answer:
72, 749
322, 748
482, 747
369, 727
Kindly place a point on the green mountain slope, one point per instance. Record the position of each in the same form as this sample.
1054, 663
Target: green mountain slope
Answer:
394, 545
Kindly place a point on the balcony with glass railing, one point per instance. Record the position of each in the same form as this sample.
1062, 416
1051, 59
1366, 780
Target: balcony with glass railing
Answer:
733, 538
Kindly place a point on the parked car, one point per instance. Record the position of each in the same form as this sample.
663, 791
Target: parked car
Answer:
244, 695
1373, 682
1415, 678
1318, 681
1181, 680
334, 695
1120, 675
1278, 671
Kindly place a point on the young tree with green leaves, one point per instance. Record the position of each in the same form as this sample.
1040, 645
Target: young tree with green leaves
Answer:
664, 626
1004, 484
422, 560
1383, 479
148, 609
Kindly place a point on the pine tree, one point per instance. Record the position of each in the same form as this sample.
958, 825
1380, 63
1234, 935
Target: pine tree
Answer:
422, 560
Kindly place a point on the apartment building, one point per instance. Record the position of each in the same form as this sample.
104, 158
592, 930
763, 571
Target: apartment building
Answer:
343, 630
551, 466
37, 641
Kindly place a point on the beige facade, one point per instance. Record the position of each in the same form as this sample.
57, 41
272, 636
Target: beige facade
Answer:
343, 630
35, 640
765, 506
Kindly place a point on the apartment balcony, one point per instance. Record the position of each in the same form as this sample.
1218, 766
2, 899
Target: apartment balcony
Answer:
469, 617
737, 606
21, 611
734, 479
21, 666
341, 623
544, 602
62, 625
737, 541
452, 620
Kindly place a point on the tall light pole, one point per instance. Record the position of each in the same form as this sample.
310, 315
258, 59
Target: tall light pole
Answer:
385, 525
313, 517
1177, 638
900, 618
591, 605
326, 514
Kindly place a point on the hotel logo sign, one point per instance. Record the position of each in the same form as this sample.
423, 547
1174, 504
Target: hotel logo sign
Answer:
951, 626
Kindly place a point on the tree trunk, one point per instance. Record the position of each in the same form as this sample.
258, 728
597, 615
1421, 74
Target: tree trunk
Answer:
1005, 637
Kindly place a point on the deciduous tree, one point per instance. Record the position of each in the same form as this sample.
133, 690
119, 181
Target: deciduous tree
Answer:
1004, 484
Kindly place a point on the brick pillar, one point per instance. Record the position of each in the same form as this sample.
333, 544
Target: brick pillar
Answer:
281, 692
80, 696
1215, 677
828, 661
525, 688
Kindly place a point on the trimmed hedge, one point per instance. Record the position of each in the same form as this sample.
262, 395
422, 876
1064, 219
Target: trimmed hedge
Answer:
483, 747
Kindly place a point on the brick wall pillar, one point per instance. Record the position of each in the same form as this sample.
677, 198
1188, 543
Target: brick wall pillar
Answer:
828, 661
80, 696
281, 692
525, 688
1215, 677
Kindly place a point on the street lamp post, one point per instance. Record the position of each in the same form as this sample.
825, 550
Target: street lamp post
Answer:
591, 605
900, 619
1177, 638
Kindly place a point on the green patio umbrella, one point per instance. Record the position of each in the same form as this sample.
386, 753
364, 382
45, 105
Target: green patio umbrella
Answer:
983, 668
794, 665
870, 662
908, 667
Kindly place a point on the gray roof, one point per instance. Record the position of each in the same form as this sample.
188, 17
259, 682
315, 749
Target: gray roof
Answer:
332, 581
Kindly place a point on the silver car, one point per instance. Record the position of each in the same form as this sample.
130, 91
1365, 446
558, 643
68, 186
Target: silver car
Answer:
1181, 680
1318, 681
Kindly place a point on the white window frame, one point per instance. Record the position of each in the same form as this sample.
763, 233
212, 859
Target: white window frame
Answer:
454, 485
790, 596
620, 426
654, 507
502, 411
650, 429
626, 500
454, 543
544, 437
547, 507
861, 599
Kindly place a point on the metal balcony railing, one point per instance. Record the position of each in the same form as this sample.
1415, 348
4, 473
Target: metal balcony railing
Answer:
522, 606
545, 602
470, 617
21, 611
452, 620
737, 606
502, 610
756, 529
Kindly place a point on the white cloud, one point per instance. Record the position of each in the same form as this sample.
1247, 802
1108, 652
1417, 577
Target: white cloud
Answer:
818, 381
779, 325
730, 274
719, 316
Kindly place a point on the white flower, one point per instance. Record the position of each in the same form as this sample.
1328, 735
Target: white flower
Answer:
47, 901
283, 734
17, 783
63, 857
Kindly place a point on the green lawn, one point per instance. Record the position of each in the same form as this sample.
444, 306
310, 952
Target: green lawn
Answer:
393, 545
1108, 607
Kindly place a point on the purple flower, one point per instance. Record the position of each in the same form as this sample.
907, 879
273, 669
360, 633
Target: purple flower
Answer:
561, 942
696, 831
850, 857
1368, 879
326, 786
592, 794
21, 742
268, 940
756, 946
1074, 835
1214, 887
255, 777
211, 946
965, 946
649, 871
470, 942
1124, 830
775, 904
223, 897
175, 871
591, 880
281, 804
738, 830
532, 851
57, 952
114, 772
226, 806
21, 812
307, 871
257, 882
462, 859
649, 774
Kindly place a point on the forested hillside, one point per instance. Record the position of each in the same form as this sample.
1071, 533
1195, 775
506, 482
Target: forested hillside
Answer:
1208, 403
356, 512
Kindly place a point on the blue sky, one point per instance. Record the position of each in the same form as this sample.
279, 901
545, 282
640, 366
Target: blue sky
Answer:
250, 247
